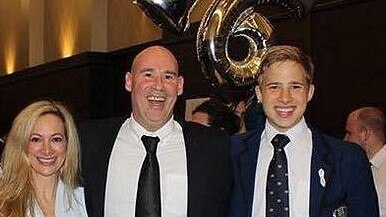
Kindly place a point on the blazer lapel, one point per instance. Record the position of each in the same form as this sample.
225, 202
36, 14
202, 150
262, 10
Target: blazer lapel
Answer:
190, 160
246, 167
320, 173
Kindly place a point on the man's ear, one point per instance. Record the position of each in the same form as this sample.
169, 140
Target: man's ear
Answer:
366, 134
311, 90
128, 81
258, 93
180, 87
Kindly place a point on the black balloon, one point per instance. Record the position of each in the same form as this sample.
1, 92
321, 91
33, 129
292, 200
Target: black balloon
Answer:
172, 15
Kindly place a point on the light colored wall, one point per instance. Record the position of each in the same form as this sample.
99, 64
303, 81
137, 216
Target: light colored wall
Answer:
99, 25
67, 28
36, 33
13, 35
128, 25
33, 32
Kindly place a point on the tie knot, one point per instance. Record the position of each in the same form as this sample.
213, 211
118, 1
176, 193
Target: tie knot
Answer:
280, 141
150, 143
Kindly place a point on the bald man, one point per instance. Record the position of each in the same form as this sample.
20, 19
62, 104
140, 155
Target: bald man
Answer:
194, 161
366, 127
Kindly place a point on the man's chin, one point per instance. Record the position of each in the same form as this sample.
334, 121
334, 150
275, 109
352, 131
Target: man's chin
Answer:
284, 125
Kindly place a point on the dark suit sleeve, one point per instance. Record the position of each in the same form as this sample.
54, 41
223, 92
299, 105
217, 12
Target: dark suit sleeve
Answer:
361, 196
209, 171
97, 138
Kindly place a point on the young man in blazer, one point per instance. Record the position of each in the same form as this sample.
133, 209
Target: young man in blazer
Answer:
311, 174
194, 161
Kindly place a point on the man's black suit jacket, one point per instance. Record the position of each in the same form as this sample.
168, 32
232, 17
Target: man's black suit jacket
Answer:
208, 163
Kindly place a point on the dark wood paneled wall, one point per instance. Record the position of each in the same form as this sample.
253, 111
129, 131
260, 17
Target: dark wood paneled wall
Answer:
348, 47
345, 38
84, 82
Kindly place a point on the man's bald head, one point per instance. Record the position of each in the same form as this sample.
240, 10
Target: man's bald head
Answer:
371, 118
156, 52
365, 126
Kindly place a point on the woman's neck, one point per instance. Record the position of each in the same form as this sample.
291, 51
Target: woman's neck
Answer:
45, 191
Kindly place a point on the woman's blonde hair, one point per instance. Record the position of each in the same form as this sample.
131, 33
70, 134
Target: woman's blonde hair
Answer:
16, 191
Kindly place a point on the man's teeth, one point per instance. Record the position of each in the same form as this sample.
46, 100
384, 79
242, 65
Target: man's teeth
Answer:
287, 109
156, 98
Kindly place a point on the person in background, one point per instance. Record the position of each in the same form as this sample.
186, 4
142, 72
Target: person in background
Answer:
235, 98
243, 102
40, 164
215, 114
285, 167
190, 173
366, 127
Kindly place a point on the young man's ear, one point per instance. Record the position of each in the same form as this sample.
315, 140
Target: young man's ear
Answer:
258, 93
311, 90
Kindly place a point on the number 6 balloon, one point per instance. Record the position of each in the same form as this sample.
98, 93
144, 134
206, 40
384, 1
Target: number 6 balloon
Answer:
223, 20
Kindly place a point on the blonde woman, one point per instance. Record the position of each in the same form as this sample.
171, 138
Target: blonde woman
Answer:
40, 165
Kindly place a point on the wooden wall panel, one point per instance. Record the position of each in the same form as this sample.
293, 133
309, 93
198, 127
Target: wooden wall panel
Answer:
348, 45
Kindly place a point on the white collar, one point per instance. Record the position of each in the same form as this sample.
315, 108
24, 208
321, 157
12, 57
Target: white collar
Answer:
292, 133
162, 133
379, 158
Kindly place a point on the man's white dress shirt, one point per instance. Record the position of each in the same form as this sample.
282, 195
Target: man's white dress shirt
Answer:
125, 164
378, 168
298, 153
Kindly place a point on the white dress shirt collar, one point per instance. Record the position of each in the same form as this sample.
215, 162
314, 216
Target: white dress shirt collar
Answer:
379, 158
292, 133
162, 133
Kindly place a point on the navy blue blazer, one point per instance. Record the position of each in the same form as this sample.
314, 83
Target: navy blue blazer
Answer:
208, 162
349, 181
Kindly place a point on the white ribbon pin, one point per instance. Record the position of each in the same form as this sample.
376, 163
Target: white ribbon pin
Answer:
321, 177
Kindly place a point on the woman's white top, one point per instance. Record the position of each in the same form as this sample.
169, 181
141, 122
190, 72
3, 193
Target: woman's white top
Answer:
62, 203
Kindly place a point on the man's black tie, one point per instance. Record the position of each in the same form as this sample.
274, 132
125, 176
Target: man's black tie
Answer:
148, 202
277, 202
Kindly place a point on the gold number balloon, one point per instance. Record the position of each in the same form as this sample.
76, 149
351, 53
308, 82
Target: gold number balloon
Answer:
223, 20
